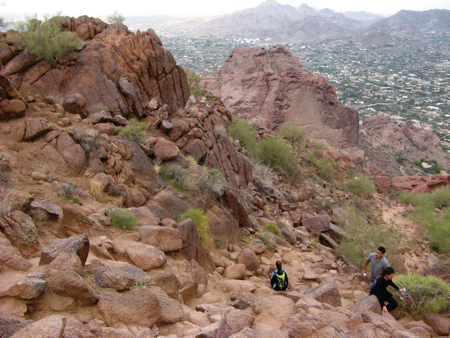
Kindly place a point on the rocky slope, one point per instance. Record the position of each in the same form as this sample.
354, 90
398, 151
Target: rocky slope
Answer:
66, 272
270, 87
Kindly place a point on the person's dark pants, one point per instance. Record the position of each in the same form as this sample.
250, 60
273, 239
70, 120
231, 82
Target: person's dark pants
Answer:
392, 303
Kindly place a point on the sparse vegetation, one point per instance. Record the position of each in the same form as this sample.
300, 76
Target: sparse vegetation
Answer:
277, 154
96, 187
324, 166
221, 132
363, 239
428, 293
47, 41
244, 132
209, 95
115, 18
122, 218
361, 185
262, 174
134, 130
220, 241
435, 224
271, 227
39, 216
212, 181
268, 240
97, 107
5, 202
293, 132
174, 174
194, 84
318, 144
201, 223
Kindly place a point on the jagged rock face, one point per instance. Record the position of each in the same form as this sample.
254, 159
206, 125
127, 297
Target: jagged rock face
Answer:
422, 139
269, 87
120, 69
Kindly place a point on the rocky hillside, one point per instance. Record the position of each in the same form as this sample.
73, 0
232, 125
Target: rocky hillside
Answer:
270, 87
68, 270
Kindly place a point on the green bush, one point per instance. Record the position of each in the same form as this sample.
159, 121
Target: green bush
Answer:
436, 225
212, 181
293, 132
270, 227
324, 166
268, 240
361, 185
121, 218
363, 239
318, 144
277, 154
174, 174
47, 41
134, 130
115, 18
429, 293
194, 84
201, 223
244, 132
209, 95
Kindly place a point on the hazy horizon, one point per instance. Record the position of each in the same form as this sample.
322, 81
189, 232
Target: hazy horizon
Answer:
196, 8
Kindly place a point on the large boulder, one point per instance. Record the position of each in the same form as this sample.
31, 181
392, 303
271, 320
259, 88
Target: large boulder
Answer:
145, 256
234, 321
165, 239
325, 293
439, 323
76, 104
11, 257
52, 326
317, 224
164, 149
138, 307
78, 244
249, 259
293, 95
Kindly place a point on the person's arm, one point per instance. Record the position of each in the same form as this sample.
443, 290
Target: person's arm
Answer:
365, 266
391, 283
273, 279
287, 281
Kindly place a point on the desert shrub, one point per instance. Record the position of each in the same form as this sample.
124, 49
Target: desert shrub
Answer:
438, 231
134, 130
221, 132
209, 95
212, 181
47, 41
191, 160
157, 168
39, 216
201, 222
361, 185
96, 107
318, 144
262, 174
244, 132
277, 154
363, 239
89, 144
115, 18
96, 187
429, 293
321, 203
175, 175
268, 239
324, 166
121, 218
245, 239
194, 84
293, 132
314, 243
270, 227
69, 189
220, 241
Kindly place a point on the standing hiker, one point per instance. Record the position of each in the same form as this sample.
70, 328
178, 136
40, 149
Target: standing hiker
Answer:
279, 279
379, 263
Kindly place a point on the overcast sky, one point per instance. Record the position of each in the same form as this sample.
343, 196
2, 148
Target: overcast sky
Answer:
100, 9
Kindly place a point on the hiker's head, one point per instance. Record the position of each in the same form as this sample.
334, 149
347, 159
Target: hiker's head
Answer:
380, 252
279, 265
388, 273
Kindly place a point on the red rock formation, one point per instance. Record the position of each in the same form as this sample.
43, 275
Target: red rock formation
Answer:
120, 69
415, 184
270, 87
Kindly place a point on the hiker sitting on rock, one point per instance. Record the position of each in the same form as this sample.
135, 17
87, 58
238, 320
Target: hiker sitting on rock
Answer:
278, 278
380, 291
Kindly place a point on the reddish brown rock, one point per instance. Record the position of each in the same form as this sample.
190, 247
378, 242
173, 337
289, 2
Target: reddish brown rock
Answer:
439, 323
67, 283
19, 63
16, 199
52, 326
249, 259
27, 288
317, 224
145, 256
165, 150
165, 239
169, 283
76, 104
78, 245
171, 311
421, 138
270, 87
234, 321
72, 153
11, 257
138, 307
325, 293
12, 109
35, 128
235, 272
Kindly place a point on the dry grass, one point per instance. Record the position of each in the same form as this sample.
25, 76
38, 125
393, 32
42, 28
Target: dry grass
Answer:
96, 107
50, 169
193, 109
191, 161
96, 187
156, 168
221, 132
39, 216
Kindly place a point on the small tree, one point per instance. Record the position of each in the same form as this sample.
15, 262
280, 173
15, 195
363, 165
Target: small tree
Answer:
115, 18
46, 40
194, 84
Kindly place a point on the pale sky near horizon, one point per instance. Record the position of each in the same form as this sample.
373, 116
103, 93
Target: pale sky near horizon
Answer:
18, 8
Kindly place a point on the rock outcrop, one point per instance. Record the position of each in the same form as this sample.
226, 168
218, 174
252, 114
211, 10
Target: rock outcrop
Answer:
269, 87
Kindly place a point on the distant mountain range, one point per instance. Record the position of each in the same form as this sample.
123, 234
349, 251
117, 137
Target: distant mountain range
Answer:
285, 23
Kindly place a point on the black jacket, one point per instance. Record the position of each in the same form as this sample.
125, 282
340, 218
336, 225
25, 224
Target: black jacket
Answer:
380, 289
274, 280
